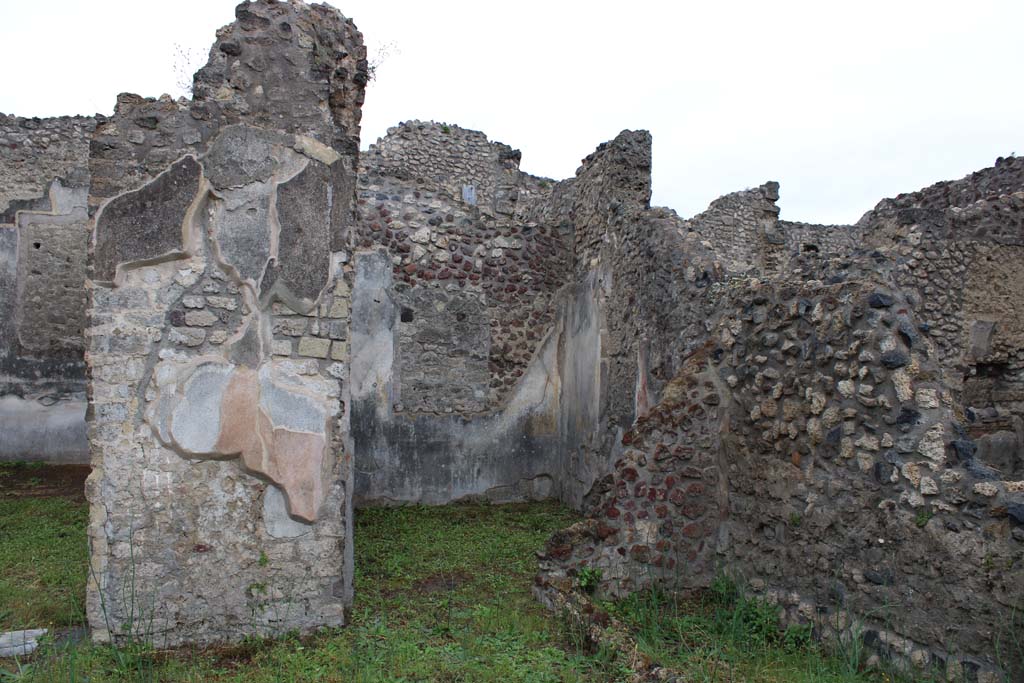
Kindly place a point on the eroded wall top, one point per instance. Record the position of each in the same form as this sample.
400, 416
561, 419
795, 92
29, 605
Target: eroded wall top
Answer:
34, 151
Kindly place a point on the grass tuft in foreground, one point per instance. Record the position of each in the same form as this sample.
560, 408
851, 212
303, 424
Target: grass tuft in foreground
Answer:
721, 636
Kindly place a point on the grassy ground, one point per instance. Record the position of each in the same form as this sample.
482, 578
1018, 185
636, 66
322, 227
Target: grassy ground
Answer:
43, 517
443, 594
721, 637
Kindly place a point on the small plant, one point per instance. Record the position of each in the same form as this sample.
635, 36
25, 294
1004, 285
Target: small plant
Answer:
795, 520
264, 560
588, 579
756, 620
922, 518
798, 638
724, 591
575, 631
445, 129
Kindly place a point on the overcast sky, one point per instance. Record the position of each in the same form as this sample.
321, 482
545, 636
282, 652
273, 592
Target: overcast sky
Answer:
843, 103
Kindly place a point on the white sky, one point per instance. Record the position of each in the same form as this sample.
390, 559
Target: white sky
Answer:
843, 103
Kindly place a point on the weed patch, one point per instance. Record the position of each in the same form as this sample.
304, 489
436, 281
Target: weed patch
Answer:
720, 636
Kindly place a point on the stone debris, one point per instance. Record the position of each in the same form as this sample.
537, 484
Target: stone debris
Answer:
20, 643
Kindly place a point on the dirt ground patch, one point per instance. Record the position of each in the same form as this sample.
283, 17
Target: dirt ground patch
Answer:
444, 581
20, 480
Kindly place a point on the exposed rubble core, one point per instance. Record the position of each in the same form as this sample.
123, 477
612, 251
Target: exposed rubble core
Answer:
281, 327
819, 437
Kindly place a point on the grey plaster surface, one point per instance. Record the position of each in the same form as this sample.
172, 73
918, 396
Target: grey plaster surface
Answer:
30, 430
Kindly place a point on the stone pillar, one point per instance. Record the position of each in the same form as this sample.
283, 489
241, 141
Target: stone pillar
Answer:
217, 340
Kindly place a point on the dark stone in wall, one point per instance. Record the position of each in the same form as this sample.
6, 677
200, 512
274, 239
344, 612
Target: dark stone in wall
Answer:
1016, 514
894, 359
303, 261
344, 179
241, 155
147, 223
880, 300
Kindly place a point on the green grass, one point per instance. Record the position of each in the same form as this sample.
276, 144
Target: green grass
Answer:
721, 636
43, 562
442, 594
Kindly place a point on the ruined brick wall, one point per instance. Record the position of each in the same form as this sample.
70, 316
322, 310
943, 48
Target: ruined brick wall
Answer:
959, 245
650, 306
811, 444
43, 180
219, 298
34, 151
410, 202
811, 238
854, 488
742, 226
44, 252
654, 514
43, 245
462, 162
460, 397
812, 450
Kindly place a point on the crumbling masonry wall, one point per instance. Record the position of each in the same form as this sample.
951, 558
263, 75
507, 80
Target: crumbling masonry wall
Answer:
279, 328
44, 235
455, 349
810, 443
221, 490
959, 246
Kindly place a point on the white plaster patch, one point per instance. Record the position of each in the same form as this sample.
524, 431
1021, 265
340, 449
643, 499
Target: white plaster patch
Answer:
195, 422
290, 410
278, 522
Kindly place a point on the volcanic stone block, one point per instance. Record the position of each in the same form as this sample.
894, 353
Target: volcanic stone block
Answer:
303, 260
243, 230
146, 224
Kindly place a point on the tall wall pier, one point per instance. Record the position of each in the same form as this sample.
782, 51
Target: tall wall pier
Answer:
221, 490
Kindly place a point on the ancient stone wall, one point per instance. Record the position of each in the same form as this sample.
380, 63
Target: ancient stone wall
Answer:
462, 162
410, 203
811, 444
742, 226
43, 244
959, 245
279, 328
221, 489
35, 151
649, 312
811, 238
464, 326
